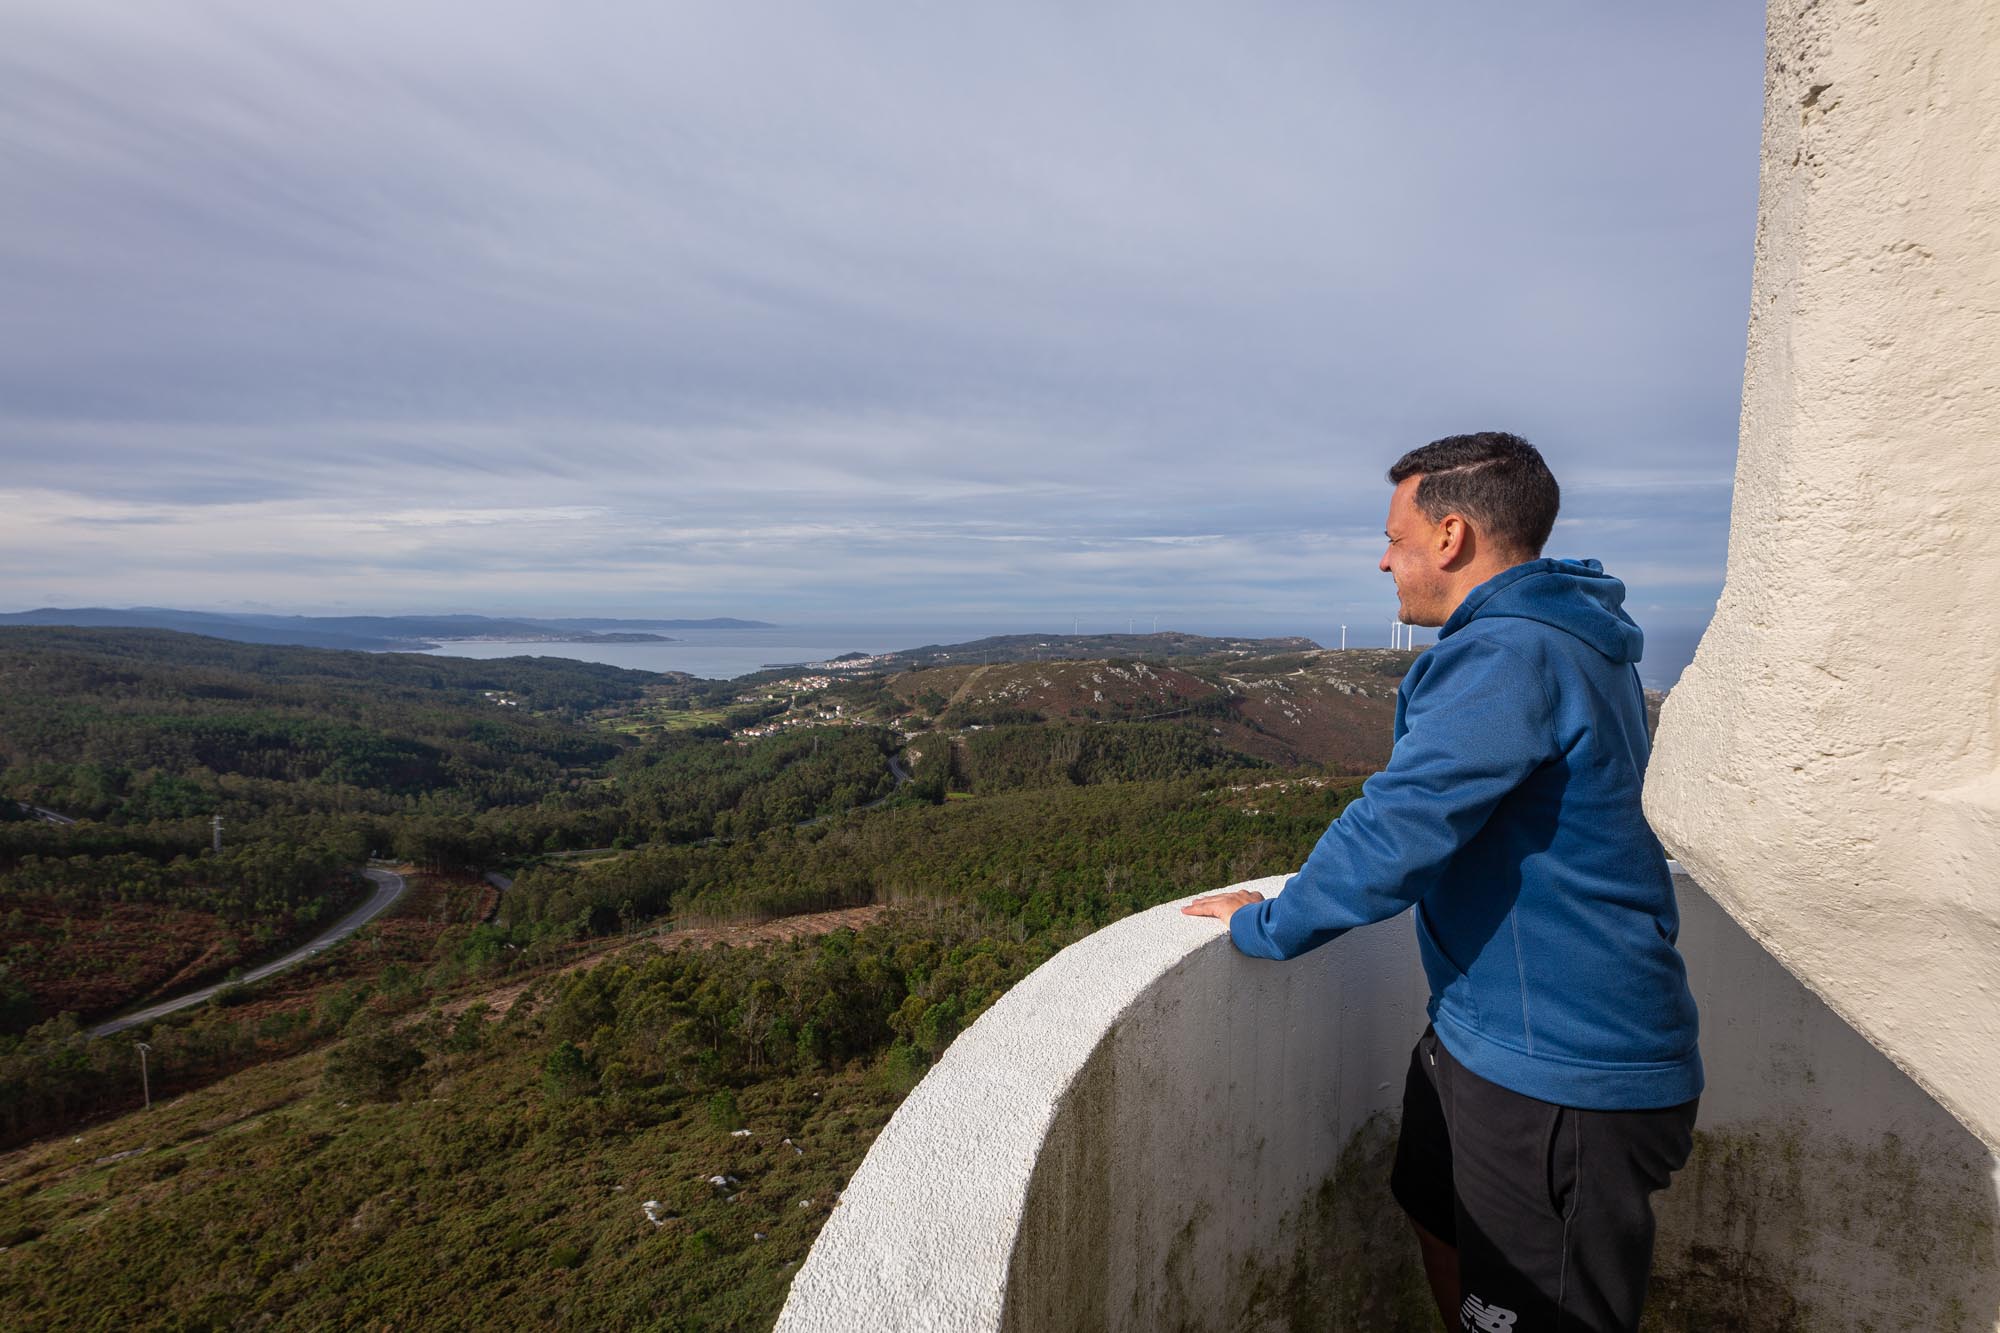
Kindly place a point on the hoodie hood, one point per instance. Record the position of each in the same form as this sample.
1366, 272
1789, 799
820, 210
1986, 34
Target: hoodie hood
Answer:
1575, 596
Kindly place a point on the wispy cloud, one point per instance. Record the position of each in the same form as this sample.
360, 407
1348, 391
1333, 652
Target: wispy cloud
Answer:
769, 309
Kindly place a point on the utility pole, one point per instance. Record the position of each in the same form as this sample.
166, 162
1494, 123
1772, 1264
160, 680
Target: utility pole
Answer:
215, 832
145, 1083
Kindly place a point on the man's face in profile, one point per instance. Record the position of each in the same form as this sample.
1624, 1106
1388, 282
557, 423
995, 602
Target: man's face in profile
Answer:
1411, 557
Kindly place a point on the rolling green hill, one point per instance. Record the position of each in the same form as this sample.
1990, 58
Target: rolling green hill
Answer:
476, 1093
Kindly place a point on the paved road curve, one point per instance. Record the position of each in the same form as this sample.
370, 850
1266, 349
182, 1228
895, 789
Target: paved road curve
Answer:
388, 888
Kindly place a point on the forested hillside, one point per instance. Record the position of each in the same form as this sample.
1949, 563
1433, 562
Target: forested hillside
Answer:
1325, 708
314, 759
504, 1155
133, 726
478, 1090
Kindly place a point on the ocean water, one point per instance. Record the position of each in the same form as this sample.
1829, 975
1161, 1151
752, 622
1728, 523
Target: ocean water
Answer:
722, 654
1669, 649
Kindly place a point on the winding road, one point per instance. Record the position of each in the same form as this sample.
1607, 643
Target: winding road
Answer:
896, 771
388, 888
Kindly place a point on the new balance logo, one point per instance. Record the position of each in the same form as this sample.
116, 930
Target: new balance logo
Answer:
1485, 1318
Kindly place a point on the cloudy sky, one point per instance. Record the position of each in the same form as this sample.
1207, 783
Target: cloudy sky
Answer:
994, 314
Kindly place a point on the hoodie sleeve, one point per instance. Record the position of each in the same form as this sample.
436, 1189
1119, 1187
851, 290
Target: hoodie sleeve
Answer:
1478, 723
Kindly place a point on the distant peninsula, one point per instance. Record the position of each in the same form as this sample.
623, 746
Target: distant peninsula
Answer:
370, 633
595, 625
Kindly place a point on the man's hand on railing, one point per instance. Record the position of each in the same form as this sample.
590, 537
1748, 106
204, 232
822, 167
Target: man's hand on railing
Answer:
1222, 906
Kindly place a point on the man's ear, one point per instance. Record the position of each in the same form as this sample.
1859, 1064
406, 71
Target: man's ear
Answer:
1451, 538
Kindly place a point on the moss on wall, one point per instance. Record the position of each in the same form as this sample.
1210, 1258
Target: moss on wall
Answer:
1355, 1269
1352, 1266
1057, 1277
1770, 1228
1775, 1229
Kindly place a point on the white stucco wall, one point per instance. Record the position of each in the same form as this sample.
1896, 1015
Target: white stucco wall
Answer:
1153, 1131
1829, 767
1827, 1189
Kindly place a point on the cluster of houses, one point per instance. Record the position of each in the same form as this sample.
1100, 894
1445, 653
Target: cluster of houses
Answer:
855, 663
808, 716
803, 683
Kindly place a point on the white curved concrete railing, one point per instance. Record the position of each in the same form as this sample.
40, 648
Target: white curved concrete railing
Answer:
1135, 1094
1153, 1131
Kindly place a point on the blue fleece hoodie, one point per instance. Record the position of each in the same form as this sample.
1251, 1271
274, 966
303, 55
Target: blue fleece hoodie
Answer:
1509, 818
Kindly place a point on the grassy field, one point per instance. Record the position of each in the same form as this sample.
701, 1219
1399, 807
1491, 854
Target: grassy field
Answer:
476, 1201
654, 719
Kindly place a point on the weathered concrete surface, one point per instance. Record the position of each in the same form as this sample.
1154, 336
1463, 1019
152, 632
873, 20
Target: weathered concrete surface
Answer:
1829, 766
1827, 1190
1155, 1132
1147, 1093
1199, 1133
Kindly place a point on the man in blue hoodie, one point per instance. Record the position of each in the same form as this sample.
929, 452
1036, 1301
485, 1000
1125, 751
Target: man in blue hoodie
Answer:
1555, 1090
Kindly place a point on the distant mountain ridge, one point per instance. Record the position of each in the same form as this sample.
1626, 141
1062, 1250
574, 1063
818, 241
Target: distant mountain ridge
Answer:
1158, 645
367, 633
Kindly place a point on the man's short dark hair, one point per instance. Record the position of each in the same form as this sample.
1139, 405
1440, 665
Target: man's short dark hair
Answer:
1495, 480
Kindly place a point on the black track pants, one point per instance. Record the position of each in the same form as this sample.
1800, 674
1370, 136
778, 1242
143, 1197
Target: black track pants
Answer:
1550, 1206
